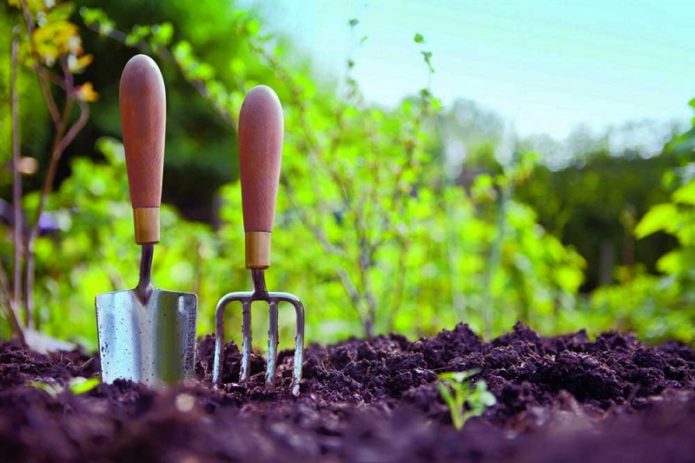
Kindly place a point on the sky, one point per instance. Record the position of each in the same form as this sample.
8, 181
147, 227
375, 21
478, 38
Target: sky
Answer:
547, 66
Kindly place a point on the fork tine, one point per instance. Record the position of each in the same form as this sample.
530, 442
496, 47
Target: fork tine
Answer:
272, 342
298, 346
219, 335
246, 340
219, 343
273, 300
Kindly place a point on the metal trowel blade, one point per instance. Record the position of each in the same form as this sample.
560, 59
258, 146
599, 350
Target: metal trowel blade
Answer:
151, 343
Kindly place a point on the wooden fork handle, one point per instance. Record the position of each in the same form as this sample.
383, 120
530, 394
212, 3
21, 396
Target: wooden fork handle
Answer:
260, 155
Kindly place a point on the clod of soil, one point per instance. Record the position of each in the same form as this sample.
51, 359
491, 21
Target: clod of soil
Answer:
558, 399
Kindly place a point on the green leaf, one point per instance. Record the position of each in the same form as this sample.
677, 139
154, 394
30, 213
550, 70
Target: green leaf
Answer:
61, 12
454, 409
685, 194
51, 389
353, 22
162, 34
253, 27
659, 218
82, 385
679, 262
137, 34
96, 16
483, 396
459, 376
418, 38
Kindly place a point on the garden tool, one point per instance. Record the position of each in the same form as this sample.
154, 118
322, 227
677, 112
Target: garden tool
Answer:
260, 152
146, 334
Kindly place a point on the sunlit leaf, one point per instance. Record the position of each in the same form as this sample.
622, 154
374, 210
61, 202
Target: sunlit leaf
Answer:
685, 194
659, 218
80, 385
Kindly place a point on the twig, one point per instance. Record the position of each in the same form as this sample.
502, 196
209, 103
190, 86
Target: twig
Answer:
10, 306
60, 143
18, 226
346, 192
399, 286
165, 54
41, 72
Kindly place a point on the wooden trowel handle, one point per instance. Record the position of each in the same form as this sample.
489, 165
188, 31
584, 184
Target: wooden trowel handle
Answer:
142, 102
260, 153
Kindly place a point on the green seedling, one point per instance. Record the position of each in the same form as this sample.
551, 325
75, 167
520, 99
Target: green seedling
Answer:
76, 386
81, 385
464, 399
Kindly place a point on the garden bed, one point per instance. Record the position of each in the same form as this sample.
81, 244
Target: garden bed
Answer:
558, 399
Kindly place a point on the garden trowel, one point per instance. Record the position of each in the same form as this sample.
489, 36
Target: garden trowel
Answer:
146, 334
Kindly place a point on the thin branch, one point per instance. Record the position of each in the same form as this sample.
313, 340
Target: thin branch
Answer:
329, 248
165, 54
60, 142
69, 86
399, 287
344, 186
351, 291
18, 226
75, 128
9, 305
41, 72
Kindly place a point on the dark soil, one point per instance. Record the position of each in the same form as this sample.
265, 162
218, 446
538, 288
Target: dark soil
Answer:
558, 399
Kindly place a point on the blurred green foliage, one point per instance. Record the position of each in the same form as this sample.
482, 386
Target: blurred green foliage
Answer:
595, 203
371, 231
666, 303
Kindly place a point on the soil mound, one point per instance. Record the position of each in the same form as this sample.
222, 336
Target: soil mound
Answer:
562, 398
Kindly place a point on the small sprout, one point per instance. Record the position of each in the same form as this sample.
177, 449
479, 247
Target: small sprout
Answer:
76, 386
52, 389
82, 385
463, 399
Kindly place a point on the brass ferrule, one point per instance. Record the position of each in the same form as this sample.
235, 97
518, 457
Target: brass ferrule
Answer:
146, 220
257, 250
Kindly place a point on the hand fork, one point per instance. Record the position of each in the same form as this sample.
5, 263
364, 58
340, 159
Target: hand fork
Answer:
260, 153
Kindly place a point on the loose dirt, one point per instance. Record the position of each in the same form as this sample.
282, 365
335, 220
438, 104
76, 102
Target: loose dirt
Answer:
558, 399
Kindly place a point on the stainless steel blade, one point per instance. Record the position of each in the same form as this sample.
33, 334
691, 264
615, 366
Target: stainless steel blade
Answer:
151, 343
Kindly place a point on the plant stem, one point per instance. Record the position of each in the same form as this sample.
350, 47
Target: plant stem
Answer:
60, 143
399, 286
11, 309
39, 69
18, 225
494, 260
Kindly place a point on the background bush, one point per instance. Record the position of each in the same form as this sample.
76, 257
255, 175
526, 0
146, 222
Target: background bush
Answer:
373, 230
